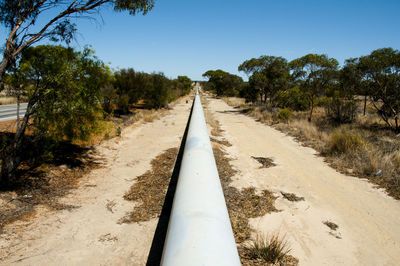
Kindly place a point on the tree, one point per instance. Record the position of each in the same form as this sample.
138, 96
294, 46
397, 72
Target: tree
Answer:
27, 22
64, 92
268, 74
223, 83
381, 73
342, 106
314, 74
184, 85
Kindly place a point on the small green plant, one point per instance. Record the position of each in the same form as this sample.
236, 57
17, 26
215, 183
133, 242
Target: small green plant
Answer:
284, 115
345, 142
271, 248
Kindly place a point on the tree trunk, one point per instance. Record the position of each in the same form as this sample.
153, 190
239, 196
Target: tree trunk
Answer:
10, 161
311, 111
365, 103
11, 154
3, 69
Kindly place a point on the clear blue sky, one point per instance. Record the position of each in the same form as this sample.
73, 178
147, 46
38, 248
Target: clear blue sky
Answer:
189, 37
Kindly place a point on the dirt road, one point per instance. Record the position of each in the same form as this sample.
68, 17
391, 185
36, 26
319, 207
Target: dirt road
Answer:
368, 221
91, 234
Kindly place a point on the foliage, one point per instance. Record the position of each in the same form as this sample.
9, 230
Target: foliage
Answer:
64, 98
268, 75
223, 83
154, 89
292, 98
249, 92
340, 109
381, 74
284, 115
314, 74
28, 22
109, 98
345, 142
66, 88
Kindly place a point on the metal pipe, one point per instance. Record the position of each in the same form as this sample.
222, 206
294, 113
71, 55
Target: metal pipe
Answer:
199, 230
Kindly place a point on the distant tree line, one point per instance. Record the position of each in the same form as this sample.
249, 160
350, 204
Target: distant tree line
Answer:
314, 79
69, 92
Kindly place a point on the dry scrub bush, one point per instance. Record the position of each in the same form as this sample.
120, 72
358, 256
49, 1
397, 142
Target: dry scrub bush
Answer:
284, 115
272, 248
150, 115
345, 142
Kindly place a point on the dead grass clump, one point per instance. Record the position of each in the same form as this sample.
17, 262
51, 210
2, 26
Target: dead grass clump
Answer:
271, 249
150, 115
331, 225
265, 162
222, 142
291, 196
150, 188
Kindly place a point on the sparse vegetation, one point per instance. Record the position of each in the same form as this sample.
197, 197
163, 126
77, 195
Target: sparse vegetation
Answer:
345, 143
291, 196
284, 115
364, 148
271, 248
265, 162
331, 225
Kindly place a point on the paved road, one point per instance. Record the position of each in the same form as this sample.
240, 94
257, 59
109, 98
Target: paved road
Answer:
9, 112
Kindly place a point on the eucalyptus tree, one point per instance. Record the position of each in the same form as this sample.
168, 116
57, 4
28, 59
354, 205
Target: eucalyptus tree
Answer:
64, 92
268, 74
314, 74
29, 21
381, 74
223, 83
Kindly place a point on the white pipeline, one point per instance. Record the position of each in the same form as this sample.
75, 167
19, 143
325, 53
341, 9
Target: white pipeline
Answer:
199, 230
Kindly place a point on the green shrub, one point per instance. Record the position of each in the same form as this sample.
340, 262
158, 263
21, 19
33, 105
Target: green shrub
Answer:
292, 98
123, 104
345, 142
284, 115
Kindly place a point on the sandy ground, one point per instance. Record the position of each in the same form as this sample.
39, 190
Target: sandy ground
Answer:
368, 219
91, 234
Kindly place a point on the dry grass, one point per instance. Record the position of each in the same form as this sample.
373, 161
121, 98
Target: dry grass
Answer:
291, 196
265, 162
221, 141
8, 100
269, 250
150, 188
365, 148
331, 225
234, 101
242, 204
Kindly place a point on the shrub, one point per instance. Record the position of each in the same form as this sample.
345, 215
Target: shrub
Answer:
345, 142
284, 115
123, 104
292, 98
341, 110
271, 249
